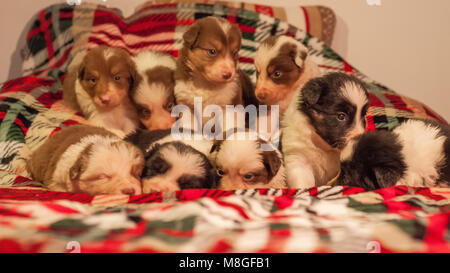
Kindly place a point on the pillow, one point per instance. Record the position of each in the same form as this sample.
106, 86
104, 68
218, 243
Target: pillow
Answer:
319, 21
31, 109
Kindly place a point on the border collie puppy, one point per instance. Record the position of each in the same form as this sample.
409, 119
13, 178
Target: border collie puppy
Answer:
283, 66
154, 93
207, 66
172, 164
86, 159
322, 118
245, 161
416, 153
98, 84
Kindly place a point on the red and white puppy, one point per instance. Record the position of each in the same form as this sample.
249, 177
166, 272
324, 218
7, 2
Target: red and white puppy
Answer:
207, 65
154, 93
98, 84
87, 159
283, 66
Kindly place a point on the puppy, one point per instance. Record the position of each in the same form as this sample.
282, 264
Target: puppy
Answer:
98, 84
327, 113
416, 153
244, 161
172, 165
86, 159
282, 66
154, 93
207, 66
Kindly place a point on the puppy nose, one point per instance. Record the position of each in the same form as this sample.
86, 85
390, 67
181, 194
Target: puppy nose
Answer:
128, 191
226, 75
261, 96
105, 99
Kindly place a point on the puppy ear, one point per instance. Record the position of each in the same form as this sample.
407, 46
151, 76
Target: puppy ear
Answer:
298, 53
81, 70
272, 163
81, 164
191, 35
312, 91
216, 146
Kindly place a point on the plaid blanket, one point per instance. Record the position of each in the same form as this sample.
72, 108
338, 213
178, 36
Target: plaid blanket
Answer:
332, 219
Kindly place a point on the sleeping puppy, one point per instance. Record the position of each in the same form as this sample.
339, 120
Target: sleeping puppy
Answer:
243, 161
98, 84
283, 66
322, 118
154, 93
172, 164
86, 159
416, 153
207, 66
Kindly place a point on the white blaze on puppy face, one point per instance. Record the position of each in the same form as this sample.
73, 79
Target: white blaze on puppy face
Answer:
181, 164
155, 103
356, 96
112, 168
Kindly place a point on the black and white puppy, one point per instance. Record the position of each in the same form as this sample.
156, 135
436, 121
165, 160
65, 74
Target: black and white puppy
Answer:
322, 118
172, 165
416, 153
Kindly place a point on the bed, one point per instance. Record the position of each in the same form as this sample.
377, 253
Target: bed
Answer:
318, 219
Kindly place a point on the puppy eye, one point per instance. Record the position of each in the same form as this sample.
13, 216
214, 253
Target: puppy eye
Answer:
146, 112
117, 78
342, 117
92, 80
220, 172
212, 52
276, 74
248, 176
169, 106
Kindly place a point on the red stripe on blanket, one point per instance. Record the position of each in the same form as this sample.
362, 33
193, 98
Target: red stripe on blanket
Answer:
437, 229
11, 246
370, 123
375, 101
42, 195
398, 102
220, 247
239, 209
264, 10
306, 19
45, 27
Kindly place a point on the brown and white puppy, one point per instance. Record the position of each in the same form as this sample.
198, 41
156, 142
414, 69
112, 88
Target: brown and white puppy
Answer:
154, 93
207, 66
86, 159
322, 118
282, 66
98, 84
245, 161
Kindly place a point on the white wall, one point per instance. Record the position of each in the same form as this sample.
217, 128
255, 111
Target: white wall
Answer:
404, 44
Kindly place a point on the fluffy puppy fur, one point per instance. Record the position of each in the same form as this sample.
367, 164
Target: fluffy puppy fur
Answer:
172, 165
207, 65
242, 163
416, 153
322, 118
154, 93
98, 84
283, 66
86, 159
